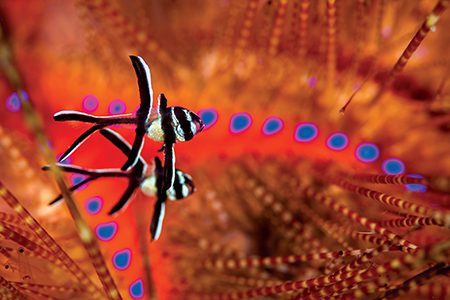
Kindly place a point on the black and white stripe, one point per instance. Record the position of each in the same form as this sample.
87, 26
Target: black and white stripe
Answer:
178, 125
186, 124
157, 219
182, 187
143, 113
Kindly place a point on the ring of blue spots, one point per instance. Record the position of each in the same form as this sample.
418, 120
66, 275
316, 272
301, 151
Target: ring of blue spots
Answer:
272, 125
13, 103
393, 166
367, 152
106, 231
94, 205
136, 289
90, 103
117, 107
209, 117
306, 132
416, 187
122, 259
76, 179
240, 122
338, 141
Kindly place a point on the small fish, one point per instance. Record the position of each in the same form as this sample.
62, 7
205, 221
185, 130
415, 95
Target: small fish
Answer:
151, 185
169, 126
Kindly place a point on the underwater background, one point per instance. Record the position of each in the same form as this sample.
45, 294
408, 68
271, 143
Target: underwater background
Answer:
323, 171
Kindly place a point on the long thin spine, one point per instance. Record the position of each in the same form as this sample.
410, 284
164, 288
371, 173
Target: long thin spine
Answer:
294, 28
28, 235
363, 289
354, 216
277, 29
360, 28
408, 261
248, 281
303, 34
409, 222
331, 42
9, 291
44, 287
10, 219
387, 179
348, 231
291, 286
360, 281
231, 25
33, 224
272, 261
440, 216
5, 252
213, 248
266, 26
36, 293
33, 247
244, 33
427, 25
415, 281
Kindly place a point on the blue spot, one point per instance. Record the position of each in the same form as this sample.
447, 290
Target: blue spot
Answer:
94, 205
337, 141
13, 103
122, 259
367, 152
272, 125
240, 122
117, 107
393, 166
209, 117
306, 132
90, 103
76, 179
416, 187
136, 289
106, 231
